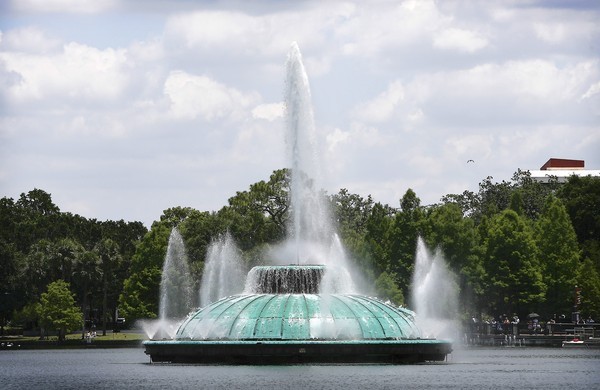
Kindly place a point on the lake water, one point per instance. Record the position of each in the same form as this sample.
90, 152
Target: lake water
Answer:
497, 368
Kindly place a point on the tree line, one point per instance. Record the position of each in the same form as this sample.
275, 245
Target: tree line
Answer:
516, 246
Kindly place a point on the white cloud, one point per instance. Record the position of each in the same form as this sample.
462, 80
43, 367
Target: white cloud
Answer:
459, 39
383, 106
28, 39
194, 96
159, 97
78, 72
470, 146
269, 112
593, 90
372, 29
504, 92
234, 33
64, 6
550, 32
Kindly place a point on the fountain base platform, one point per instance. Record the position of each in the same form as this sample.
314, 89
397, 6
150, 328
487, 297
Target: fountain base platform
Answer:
283, 352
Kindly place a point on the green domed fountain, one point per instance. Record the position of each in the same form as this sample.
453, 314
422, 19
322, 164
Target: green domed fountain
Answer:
286, 320
292, 313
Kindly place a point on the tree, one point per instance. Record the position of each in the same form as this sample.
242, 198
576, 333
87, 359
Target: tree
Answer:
387, 289
140, 293
86, 272
457, 239
377, 236
588, 280
57, 310
404, 232
513, 273
351, 211
559, 255
110, 257
260, 214
581, 196
492, 197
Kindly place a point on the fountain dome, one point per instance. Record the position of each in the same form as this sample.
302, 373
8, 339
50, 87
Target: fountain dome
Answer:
282, 317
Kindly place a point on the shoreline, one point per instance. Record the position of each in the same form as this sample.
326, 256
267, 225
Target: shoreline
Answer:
73, 341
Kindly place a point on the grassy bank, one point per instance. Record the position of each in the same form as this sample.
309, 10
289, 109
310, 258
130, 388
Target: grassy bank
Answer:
74, 340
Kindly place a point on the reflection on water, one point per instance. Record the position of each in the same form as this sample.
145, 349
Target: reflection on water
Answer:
505, 368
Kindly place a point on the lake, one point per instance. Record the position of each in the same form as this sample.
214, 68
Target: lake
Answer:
476, 368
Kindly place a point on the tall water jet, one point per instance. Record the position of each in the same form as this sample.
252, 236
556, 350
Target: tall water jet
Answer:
176, 292
224, 271
434, 294
310, 220
305, 312
311, 227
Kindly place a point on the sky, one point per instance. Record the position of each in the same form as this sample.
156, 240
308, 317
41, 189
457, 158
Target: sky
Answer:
121, 109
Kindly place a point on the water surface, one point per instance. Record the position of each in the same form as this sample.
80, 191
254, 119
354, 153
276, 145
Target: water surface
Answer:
498, 368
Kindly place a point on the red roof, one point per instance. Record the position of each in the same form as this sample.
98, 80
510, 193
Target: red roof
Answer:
561, 163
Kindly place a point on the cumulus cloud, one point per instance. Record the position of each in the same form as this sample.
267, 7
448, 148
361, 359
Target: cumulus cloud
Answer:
194, 96
404, 93
234, 33
77, 72
269, 112
550, 32
28, 39
370, 30
63, 6
459, 39
382, 107
592, 91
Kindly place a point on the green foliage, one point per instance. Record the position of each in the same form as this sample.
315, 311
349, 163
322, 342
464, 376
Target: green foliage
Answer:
27, 316
387, 289
522, 194
351, 211
140, 293
559, 251
513, 246
513, 273
456, 236
406, 226
57, 309
260, 214
588, 279
376, 237
139, 298
581, 196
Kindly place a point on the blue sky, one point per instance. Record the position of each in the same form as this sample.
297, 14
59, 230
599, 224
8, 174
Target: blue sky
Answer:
121, 108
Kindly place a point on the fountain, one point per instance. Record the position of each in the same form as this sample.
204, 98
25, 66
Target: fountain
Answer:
224, 271
175, 291
434, 294
306, 308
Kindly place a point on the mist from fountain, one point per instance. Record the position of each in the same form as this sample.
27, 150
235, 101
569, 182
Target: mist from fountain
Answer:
312, 238
316, 297
224, 271
176, 292
434, 294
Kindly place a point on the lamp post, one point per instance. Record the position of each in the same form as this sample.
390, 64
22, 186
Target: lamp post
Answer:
576, 304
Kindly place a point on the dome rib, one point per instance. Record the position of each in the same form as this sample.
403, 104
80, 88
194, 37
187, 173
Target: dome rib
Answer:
260, 314
298, 317
414, 330
360, 324
371, 316
398, 332
202, 313
285, 314
250, 299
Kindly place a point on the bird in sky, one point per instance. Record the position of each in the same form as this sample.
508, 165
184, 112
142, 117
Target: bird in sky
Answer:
469, 161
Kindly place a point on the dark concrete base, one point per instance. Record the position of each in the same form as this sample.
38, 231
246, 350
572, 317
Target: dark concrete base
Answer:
280, 352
